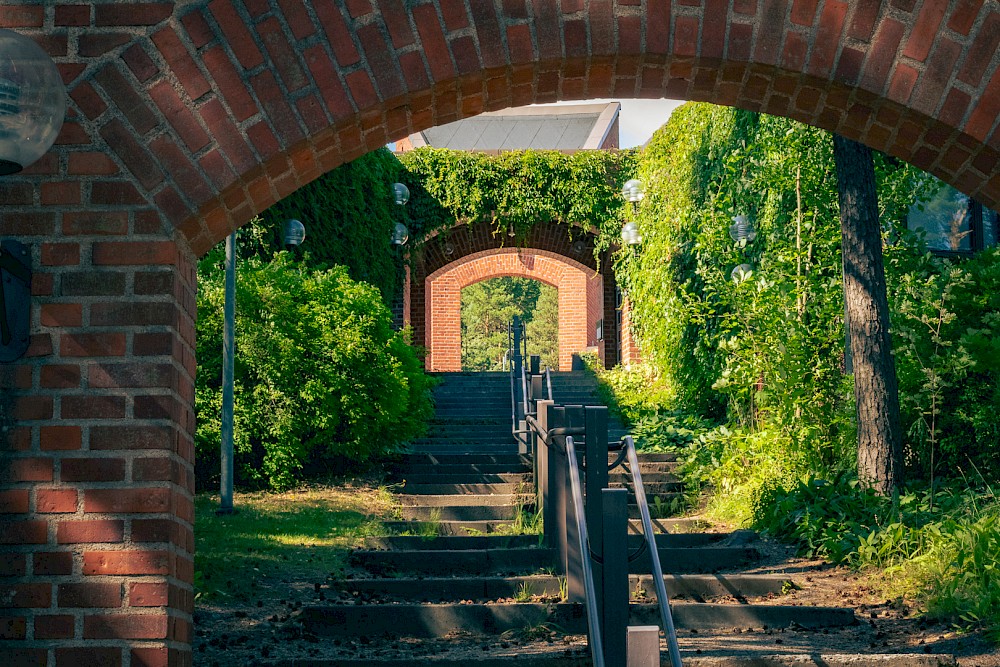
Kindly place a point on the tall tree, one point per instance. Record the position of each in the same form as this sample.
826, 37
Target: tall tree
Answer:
876, 393
543, 329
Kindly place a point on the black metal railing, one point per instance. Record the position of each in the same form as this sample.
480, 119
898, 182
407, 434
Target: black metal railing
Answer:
587, 527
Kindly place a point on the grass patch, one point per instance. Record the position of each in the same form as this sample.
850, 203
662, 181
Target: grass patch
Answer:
275, 538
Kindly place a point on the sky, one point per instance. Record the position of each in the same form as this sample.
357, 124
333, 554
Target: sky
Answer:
638, 118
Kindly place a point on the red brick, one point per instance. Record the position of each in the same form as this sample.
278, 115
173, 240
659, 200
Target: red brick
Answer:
24, 532
964, 15
90, 594
60, 438
13, 501
92, 345
180, 61
131, 313
21, 16
90, 531
157, 656
73, 15
60, 193
92, 469
60, 254
922, 36
93, 407
55, 501
61, 315
978, 58
143, 13
131, 375
125, 626
28, 470
131, 437
91, 164
179, 116
57, 563
89, 655
134, 253
127, 500
126, 562
12, 564
13, 627
148, 594
28, 224
236, 34
55, 627
95, 223
26, 596
139, 62
686, 36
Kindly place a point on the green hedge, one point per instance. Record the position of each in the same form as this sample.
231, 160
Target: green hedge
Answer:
321, 377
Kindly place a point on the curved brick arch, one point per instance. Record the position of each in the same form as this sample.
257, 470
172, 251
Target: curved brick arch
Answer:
581, 300
188, 118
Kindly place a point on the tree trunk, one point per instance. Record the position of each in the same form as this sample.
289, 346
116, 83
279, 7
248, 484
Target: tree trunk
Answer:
880, 448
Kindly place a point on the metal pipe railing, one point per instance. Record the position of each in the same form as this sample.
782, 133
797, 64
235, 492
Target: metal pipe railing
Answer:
548, 382
593, 620
654, 554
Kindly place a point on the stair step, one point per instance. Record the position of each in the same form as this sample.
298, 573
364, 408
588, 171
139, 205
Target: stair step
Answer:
700, 560
459, 543
739, 656
435, 620
453, 513
458, 478
457, 500
696, 587
452, 527
463, 489
467, 469
453, 459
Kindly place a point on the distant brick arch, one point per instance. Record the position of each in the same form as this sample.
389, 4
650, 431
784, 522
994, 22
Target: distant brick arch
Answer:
186, 119
581, 300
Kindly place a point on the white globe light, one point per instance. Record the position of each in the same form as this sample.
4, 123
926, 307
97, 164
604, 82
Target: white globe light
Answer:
294, 232
401, 193
742, 230
32, 102
632, 190
741, 273
400, 234
630, 234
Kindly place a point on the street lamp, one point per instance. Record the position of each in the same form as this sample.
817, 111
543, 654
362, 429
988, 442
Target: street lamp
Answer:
400, 234
293, 233
633, 193
32, 102
32, 109
742, 231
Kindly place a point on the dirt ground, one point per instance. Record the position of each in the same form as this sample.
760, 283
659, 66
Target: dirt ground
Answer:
267, 633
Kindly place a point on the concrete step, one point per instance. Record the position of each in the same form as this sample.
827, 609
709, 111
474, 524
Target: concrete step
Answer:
460, 543
435, 620
458, 478
463, 489
460, 528
697, 587
701, 560
692, 654
453, 459
466, 469
459, 513
468, 561
458, 500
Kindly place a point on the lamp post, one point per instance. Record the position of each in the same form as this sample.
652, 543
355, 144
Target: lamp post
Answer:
293, 234
32, 109
633, 193
400, 234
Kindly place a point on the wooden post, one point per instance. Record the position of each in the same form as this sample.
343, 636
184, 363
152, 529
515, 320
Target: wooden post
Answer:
615, 579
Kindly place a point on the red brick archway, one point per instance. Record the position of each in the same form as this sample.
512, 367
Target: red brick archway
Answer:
186, 119
581, 301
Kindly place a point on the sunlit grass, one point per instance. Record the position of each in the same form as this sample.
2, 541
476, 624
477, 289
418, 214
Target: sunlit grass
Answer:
275, 538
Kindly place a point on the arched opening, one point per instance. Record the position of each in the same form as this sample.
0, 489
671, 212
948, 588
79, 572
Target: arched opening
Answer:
188, 119
487, 310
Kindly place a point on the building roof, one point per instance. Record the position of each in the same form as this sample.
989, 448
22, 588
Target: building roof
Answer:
567, 128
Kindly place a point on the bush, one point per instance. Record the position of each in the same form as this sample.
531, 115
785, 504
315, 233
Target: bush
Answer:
321, 377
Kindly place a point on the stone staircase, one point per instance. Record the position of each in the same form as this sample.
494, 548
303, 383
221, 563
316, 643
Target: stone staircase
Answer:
465, 558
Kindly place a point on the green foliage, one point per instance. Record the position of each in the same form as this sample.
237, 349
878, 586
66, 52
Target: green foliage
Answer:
488, 308
320, 374
518, 189
942, 548
946, 324
349, 214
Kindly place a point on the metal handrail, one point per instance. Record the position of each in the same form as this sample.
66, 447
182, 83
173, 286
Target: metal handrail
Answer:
590, 592
654, 554
524, 389
548, 381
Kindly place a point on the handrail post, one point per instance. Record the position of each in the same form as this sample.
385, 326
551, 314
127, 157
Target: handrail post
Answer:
541, 469
536, 364
615, 574
572, 559
556, 491
596, 480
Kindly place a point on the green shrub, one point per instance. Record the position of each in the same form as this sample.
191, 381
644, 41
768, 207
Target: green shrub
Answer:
321, 377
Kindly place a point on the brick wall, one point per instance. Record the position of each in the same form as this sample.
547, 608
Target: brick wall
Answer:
186, 119
581, 292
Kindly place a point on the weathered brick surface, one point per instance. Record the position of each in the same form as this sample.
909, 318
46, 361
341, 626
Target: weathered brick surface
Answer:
186, 119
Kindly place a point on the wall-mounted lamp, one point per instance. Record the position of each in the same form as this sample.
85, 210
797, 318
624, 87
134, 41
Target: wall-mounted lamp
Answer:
633, 193
400, 234
401, 193
293, 233
742, 231
630, 234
